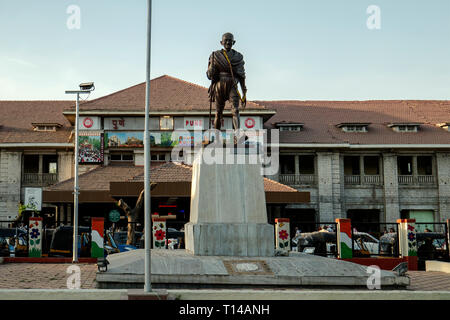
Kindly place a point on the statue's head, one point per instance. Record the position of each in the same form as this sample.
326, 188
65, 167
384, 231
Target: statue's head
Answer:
227, 41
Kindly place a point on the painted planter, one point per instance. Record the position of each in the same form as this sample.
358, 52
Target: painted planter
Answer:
97, 238
35, 237
282, 234
407, 237
344, 238
159, 233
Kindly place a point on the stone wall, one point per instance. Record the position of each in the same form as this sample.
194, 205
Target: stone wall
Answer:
65, 165
443, 177
332, 198
10, 180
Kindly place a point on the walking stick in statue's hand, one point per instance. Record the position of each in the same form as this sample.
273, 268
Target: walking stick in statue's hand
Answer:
211, 97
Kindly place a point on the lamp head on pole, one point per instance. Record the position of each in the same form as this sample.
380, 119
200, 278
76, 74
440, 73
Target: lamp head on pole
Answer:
87, 86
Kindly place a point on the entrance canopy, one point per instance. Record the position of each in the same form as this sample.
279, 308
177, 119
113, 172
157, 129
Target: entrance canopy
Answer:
107, 183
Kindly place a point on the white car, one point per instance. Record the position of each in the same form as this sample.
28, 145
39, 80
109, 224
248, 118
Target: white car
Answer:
362, 242
366, 242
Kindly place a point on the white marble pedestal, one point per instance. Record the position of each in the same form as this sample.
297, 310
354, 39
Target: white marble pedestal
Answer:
228, 212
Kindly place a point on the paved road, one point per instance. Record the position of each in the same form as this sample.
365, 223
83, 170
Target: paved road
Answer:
43, 276
429, 281
54, 276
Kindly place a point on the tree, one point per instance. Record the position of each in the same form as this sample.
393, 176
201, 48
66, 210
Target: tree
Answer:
133, 214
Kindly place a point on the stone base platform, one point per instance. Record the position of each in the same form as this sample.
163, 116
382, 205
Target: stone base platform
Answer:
230, 239
180, 269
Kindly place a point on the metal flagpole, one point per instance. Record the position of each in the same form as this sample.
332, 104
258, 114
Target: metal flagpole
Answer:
147, 210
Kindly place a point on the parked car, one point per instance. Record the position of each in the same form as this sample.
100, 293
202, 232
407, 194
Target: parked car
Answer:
365, 244
121, 237
431, 246
117, 241
324, 243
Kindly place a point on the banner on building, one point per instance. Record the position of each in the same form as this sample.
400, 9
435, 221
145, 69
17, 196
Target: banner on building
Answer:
90, 148
183, 138
33, 199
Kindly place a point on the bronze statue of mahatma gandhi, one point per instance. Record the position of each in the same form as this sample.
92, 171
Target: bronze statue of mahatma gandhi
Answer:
225, 70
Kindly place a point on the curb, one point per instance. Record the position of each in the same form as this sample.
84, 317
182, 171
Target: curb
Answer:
46, 260
123, 294
62, 294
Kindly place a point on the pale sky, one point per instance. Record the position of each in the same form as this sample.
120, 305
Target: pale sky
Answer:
299, 49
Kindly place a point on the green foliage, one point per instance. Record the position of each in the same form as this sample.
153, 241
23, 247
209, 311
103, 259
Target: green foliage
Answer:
23, 207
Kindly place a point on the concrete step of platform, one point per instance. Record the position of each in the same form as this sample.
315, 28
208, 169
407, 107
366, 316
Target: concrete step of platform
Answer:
179, 269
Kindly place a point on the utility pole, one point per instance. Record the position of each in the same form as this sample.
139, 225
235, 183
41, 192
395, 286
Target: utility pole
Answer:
147, 208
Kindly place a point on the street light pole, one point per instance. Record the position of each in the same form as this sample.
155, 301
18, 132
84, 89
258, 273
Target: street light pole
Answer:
147, 208
85, 88
75, 186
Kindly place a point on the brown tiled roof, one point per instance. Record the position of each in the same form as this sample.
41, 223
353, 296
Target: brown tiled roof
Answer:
16, 118
166, 94
99, 178
321, 117
175, 172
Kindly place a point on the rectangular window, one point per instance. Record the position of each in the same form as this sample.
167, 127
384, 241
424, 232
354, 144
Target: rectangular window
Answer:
290, 128
425, 165
49, 163
306, 164
31, 163
287, 164
121, 157
127, 157
159, 157
354, 128
351, 166
404, 165
372, 165
166, 123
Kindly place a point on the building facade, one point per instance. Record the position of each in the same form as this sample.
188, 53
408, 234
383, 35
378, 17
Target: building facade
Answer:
371, 161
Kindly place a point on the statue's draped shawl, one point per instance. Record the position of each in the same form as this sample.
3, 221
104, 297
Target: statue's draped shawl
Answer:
219, 64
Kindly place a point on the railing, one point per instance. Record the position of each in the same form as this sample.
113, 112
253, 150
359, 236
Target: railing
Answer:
372, 179
365, 179
41, 179
297, 179
352, 179
406, 179
429, 179
422, 179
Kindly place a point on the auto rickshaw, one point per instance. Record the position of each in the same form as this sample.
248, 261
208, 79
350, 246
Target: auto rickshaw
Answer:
62, 242
324, 243
13, 237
